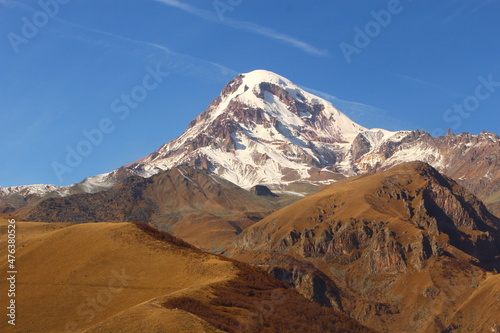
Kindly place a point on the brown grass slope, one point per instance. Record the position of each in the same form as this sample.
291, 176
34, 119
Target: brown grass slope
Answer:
481, 309
123, 277
406, 246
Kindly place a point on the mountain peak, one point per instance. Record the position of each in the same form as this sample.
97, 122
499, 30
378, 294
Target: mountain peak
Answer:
262, 129
265, 130
260, 75
267, 90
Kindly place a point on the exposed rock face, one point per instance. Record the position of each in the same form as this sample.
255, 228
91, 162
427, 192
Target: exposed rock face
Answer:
6, 209
262, 191
308, 280
360, 146
376, 235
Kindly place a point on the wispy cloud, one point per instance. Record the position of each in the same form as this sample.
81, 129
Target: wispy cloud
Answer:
466, 10
454, 15
364, 114
423, 82
18, 4
246, 26
416, 80
175, 62
225, 71
481, 5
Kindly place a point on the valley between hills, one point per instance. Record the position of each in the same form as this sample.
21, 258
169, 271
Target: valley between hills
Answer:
273, 212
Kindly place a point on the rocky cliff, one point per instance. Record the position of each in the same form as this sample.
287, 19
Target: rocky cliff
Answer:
409, 242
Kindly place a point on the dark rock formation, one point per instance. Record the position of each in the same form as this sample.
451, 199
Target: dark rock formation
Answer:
262, 191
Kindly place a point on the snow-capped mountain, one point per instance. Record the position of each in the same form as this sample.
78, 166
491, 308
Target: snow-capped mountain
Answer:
25, 190
18, 196
264, 129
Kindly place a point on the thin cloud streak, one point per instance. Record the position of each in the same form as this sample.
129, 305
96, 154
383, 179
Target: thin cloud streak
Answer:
481, 5
223, 69
454, 15
411, 78
188, 59
333, 99
364, 114
185, 58
18, 4
246, 26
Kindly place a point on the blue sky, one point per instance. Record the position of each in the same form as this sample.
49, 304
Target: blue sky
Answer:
65, 67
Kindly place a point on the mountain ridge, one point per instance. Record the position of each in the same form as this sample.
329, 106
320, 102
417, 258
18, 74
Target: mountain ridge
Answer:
372, 236
264, 130
181, 200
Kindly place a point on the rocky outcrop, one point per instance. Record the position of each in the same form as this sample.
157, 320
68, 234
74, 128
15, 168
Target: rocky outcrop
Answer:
380, 236
262, 191
360, 146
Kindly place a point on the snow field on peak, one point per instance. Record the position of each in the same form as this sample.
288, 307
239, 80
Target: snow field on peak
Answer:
341, 125
241, 168
30, 189
425, 154
258, 76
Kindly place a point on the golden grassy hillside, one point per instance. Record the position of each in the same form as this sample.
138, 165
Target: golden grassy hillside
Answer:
124, 277
71, 277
